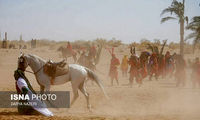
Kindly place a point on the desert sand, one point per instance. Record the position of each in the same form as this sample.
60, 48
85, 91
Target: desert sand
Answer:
154, 100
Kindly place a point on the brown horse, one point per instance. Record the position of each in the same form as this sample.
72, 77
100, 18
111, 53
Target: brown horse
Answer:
89, 60
67, 53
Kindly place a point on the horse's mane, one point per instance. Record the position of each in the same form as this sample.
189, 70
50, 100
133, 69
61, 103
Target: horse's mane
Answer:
37, 57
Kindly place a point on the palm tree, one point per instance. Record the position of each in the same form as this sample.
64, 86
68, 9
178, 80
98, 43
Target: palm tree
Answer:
194, 26
177, 9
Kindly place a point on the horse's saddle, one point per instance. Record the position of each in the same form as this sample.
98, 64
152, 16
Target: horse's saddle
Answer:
55, 69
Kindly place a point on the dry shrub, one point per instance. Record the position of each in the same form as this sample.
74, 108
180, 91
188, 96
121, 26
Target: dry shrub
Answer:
101, 41
114, 43
188, 49
81, 43
173, 45
143, 44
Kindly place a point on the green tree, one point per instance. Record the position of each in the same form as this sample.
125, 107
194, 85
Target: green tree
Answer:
194, 26
177, 10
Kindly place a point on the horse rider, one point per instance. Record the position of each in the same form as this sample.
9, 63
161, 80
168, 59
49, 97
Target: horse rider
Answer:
69, 47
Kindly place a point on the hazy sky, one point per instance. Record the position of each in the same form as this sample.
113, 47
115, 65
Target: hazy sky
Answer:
127, 20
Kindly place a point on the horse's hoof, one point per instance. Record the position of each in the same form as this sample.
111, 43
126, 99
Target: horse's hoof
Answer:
89, 108
90, 111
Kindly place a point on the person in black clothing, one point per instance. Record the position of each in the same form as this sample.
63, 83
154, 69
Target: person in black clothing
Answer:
23, 86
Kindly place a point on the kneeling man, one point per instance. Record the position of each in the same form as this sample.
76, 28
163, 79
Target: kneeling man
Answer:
23, 86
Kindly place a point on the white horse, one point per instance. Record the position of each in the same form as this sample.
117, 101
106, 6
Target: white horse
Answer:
77, 75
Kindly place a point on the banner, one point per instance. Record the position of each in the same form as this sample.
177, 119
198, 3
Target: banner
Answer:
51, 99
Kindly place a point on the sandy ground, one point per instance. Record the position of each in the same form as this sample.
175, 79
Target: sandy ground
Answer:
155, 100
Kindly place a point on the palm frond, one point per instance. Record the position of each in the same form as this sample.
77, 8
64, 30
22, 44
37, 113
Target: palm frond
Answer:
156, 50
167, 18
194, 25
167, 10
196, 40
190, 36
176, 8
196, 18
164, 43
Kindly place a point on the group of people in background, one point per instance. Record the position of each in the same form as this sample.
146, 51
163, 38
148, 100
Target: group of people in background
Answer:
153, 64
147, 64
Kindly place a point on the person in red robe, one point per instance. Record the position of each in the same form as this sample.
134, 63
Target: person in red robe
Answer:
168, 63
134, 73
114, 63
69, 47
161, 66
143, 60
153, 61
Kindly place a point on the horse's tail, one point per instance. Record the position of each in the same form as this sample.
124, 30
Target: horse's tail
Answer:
94, 77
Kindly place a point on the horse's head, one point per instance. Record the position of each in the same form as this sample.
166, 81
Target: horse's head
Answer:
60, 48
134, 58
22, 62
33, 61
144, 55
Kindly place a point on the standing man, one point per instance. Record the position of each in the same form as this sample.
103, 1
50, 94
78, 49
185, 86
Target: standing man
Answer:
196, 72
153, 62
180, 73
168, 64
92, 51
113, 69
124, 66
134, 73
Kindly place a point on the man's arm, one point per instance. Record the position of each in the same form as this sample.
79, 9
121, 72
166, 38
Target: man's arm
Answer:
24, 90
21, 83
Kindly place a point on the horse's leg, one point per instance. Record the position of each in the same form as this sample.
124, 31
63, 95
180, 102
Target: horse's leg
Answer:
150, 76
85, 93
75, 92
41, 89
131, 80
156, 75
47, 88
74, 57
139, 77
